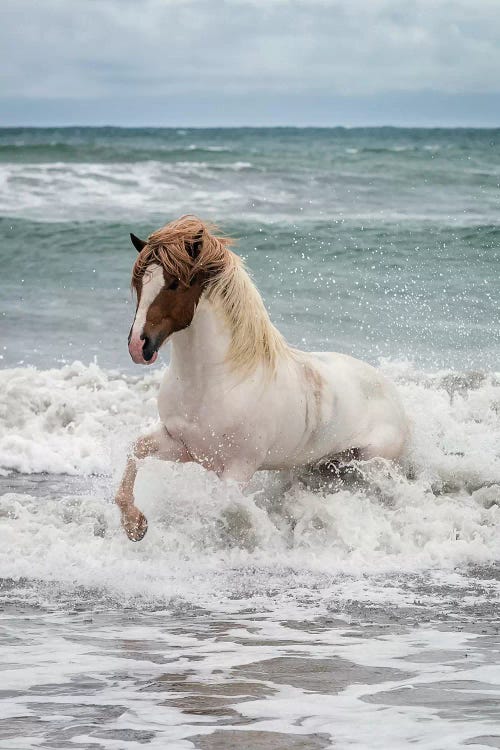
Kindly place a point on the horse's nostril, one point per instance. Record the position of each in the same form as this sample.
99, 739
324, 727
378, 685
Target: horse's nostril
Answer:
148, 348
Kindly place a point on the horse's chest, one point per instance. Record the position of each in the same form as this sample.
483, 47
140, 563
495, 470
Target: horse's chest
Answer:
208, 446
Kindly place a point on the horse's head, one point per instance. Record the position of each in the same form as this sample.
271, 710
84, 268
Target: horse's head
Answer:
168, 281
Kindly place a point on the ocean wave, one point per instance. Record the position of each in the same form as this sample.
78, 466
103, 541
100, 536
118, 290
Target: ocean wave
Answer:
279, 543
402, 149
88, 152
51, 420
397, 149
214, 149
62, 191
440, 509
63, 420
247, 189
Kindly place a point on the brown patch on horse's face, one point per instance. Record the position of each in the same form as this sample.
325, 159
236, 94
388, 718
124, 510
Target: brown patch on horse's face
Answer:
171, 311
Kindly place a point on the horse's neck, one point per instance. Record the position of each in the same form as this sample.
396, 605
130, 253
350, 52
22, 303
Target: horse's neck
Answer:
201, 349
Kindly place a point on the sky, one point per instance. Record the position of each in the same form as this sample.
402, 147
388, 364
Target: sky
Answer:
250, 62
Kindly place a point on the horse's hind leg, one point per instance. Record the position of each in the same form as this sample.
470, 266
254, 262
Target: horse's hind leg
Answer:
340, 464
386, 441
159, 445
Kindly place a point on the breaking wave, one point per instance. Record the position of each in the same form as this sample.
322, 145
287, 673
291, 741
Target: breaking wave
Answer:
208, 541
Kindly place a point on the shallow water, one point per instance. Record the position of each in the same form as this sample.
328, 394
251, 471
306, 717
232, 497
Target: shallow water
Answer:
217, 631
310, 611
352, 676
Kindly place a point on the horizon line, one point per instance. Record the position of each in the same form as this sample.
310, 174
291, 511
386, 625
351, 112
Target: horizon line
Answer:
252, 127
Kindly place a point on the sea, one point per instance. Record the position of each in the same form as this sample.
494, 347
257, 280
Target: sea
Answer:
307, 612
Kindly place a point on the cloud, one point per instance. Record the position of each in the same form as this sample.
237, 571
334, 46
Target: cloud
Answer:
97, 50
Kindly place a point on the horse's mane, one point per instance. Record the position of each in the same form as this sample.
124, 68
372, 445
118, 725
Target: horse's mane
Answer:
254, 339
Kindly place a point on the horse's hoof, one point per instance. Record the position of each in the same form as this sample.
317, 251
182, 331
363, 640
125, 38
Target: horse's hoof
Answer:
136, 527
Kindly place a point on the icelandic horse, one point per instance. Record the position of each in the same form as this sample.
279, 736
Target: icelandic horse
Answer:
236, 397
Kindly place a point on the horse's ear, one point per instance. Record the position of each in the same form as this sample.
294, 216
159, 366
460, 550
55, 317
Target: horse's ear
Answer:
137, 243
193, 248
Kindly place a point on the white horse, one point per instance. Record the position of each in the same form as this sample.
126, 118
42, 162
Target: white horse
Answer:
236, 398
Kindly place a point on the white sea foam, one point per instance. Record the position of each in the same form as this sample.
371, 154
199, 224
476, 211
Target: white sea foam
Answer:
209, 543
62, 191
67, 420
216, 149
56, 191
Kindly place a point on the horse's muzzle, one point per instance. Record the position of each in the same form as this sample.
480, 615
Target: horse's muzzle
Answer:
143, 350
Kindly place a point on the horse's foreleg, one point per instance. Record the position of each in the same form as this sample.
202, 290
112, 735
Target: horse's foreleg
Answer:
159, 445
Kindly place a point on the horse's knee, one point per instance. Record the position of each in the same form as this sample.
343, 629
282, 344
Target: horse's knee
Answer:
145, 446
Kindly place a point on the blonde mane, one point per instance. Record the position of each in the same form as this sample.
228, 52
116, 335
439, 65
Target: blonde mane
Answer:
254, 339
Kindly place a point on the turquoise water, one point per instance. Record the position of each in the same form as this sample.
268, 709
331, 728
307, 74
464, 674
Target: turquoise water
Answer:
380, 242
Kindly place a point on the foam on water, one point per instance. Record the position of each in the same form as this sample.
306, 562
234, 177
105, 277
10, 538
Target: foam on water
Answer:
249, 188
287, 537
52, 191
68, 420
235, 681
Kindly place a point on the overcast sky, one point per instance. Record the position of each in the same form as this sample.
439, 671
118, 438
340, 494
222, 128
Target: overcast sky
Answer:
210, 62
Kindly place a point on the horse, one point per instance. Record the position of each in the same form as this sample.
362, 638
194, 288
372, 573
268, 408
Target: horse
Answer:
236, 398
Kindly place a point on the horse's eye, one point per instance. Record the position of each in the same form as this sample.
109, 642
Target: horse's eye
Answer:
174, 284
